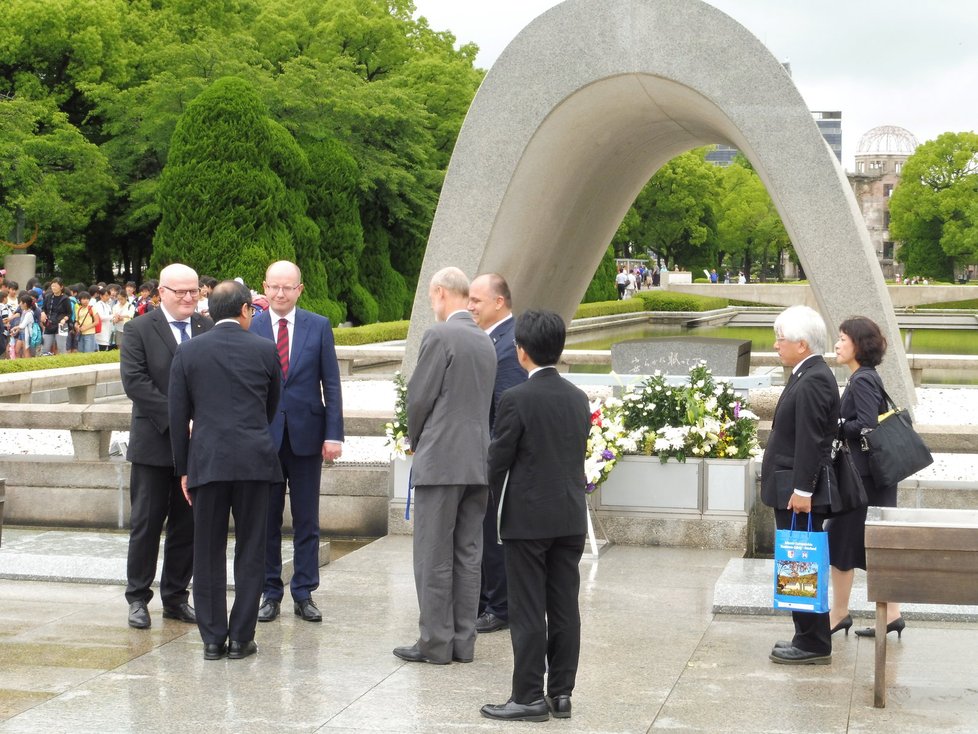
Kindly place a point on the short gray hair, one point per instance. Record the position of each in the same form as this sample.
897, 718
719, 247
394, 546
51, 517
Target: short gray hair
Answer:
453, 280
801, 323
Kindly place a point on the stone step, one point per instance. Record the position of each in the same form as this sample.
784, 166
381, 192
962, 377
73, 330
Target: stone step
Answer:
93, 557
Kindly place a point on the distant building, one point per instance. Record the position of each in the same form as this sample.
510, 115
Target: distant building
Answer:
880, 156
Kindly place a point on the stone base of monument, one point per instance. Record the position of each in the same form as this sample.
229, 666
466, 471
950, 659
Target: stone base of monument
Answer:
703, 503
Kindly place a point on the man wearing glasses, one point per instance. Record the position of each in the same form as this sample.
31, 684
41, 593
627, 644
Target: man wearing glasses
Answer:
307, 430
154, 488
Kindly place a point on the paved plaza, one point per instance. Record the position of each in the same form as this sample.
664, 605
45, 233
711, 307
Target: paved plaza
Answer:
656, 657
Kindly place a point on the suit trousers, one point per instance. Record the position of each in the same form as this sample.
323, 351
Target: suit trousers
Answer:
156, 497
247, 502
303, 474
812, 631
544, 616
447, 557
492, 594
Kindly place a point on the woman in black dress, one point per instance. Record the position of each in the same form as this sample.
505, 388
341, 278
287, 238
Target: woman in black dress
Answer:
860, 347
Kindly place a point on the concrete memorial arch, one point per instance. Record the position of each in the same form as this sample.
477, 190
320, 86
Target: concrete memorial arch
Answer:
585, 105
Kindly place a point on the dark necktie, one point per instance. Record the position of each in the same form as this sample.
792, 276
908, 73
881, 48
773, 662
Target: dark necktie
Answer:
182, 326
282, 344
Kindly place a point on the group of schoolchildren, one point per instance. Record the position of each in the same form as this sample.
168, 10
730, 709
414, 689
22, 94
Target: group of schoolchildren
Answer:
55, 319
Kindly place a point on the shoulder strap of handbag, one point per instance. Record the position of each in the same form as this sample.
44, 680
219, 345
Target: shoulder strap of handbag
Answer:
888, 399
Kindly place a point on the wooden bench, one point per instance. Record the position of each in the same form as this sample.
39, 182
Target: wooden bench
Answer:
927, 556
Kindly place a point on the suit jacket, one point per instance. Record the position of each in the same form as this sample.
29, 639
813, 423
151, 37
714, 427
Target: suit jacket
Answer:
541, 440
861, 406
228, 382
449, 397
806, 421
509, 371
312, 397
147, 352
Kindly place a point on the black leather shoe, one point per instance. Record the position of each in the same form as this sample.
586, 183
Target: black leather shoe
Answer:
797, 656
845, 624
489, 622
238, 650
560, 706
308, 610
456, 659
139, 615
897, 625
783, 643
512, 711
182, 612
413, 655
268, 611
214, 651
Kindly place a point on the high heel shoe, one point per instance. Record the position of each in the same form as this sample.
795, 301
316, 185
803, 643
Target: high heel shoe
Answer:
897, 625
845, 624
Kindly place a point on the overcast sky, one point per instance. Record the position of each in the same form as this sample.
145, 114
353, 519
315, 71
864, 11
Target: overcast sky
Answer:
910, 63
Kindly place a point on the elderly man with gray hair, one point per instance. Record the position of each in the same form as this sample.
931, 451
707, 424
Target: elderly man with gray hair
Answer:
449, 396
799, 447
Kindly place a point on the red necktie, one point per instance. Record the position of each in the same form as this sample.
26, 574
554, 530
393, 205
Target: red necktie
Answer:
282, 344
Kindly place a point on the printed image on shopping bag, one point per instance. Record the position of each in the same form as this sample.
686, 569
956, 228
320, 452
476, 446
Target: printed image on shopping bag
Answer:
801, 571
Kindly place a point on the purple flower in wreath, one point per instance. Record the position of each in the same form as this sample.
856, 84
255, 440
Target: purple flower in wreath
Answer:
591, 486
607, 454
737, 409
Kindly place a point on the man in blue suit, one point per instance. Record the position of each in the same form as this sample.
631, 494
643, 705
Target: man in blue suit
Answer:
307, 430
491, 305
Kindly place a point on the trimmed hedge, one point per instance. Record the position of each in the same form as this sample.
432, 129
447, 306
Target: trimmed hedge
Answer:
77, 359
371, 333
607, 308
671, 301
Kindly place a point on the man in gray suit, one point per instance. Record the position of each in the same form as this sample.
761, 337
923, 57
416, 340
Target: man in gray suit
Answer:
449, 396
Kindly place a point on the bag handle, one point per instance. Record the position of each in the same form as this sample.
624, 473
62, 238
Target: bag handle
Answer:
794, 515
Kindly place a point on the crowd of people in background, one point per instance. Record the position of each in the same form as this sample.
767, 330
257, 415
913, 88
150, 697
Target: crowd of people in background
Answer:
52, 318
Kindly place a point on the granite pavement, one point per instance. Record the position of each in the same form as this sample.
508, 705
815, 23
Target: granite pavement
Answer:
656, 656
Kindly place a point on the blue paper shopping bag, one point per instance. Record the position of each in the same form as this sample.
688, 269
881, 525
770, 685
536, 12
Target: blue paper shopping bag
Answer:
801, 569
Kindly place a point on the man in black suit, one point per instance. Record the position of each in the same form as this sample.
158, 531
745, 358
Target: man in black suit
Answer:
491, 305
797, 452
226, 386
540, 439
154, 488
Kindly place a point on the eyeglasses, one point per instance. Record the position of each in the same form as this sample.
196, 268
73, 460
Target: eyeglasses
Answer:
284, 289
192, 292
253, 308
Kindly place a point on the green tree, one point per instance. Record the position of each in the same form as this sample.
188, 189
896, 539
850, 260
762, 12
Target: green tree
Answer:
225, 211
749, 228
55, 176
602, 286
934, 209
675, 212
333, 194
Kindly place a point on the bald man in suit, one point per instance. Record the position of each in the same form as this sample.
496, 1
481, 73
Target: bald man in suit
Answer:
154, 488
449, 397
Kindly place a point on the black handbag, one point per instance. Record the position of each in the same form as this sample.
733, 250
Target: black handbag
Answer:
895, 449
848, 493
